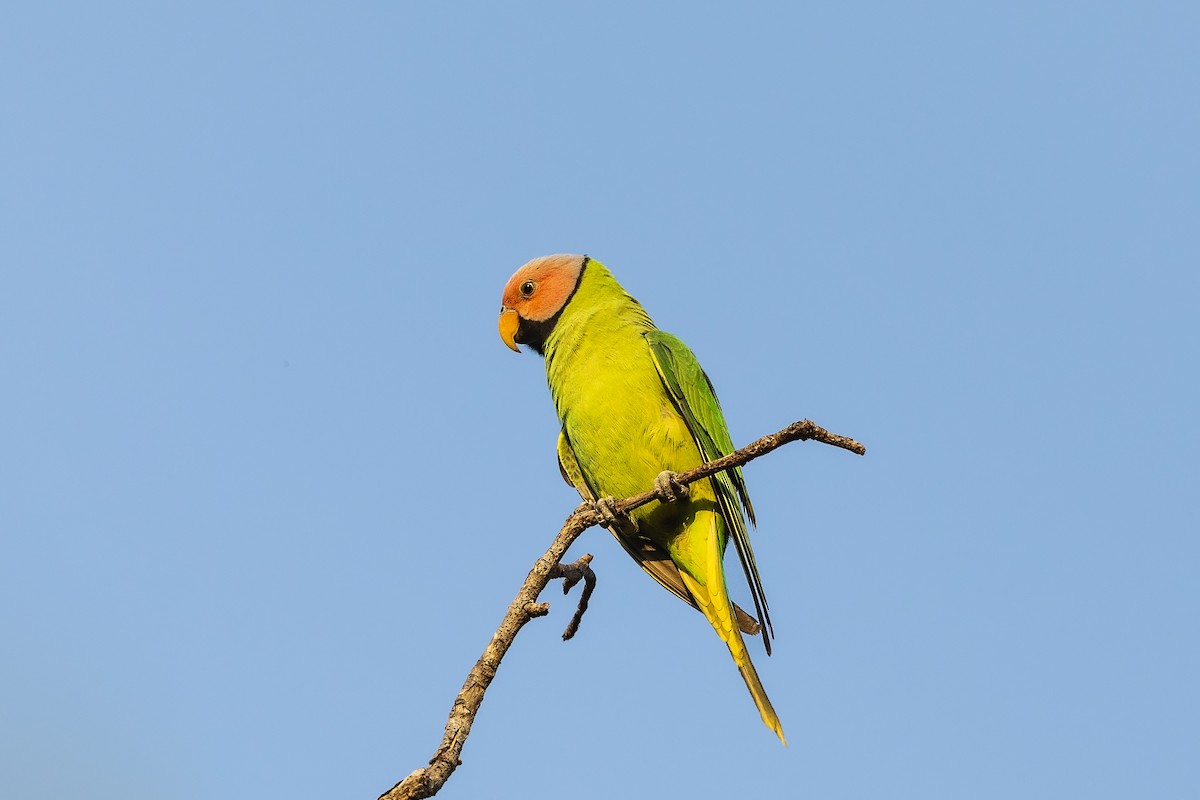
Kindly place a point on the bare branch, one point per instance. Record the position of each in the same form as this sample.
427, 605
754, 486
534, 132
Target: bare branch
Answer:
427, 781
797, 431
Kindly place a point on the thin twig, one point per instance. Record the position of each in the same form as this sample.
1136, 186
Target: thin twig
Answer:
573, 573
427, 781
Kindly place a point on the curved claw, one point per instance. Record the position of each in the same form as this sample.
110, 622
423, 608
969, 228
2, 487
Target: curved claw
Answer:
667, 484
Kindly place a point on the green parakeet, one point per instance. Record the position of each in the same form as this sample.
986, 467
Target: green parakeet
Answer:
634, 402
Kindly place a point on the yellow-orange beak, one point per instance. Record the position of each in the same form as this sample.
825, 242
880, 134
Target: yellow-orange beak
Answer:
509, 322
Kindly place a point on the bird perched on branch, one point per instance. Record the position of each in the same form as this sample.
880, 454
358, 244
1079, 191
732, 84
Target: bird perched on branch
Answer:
636, 408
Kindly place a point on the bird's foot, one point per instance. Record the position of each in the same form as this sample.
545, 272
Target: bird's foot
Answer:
612, 518
667, 484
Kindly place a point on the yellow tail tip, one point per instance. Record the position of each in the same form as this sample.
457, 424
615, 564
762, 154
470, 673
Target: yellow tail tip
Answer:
777, 727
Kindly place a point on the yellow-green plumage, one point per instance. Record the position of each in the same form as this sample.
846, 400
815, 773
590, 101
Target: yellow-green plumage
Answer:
633, 402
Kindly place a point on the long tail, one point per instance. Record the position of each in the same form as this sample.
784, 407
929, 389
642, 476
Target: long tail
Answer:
713, 600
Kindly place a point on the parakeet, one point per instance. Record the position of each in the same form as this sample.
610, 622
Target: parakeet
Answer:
633, 403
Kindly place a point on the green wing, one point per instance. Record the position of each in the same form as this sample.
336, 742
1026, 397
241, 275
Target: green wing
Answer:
693, 396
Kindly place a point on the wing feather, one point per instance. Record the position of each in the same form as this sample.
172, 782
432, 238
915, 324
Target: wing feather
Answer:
694, 397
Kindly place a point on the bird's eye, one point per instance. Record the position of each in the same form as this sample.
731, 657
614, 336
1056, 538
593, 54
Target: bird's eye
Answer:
527, 288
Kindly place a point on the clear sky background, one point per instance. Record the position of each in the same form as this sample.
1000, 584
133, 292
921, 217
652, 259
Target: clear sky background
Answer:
269, 478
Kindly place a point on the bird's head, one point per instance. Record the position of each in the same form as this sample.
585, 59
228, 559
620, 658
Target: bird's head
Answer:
535, 296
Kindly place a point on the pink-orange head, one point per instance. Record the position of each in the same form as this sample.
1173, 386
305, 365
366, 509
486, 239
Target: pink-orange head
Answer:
534, 296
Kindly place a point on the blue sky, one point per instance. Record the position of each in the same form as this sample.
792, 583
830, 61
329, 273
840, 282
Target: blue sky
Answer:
268, 477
